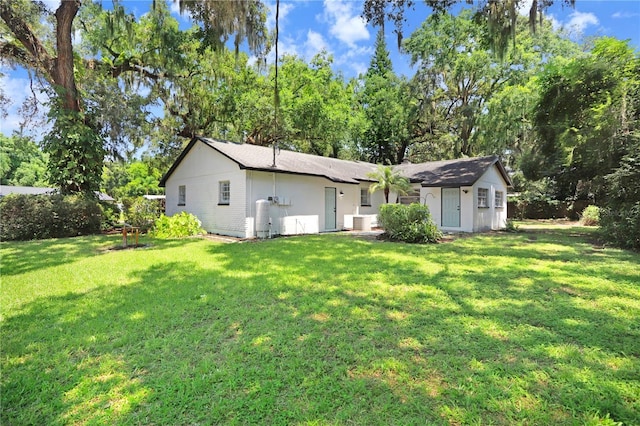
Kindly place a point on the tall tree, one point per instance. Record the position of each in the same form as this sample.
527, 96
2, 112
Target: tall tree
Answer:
384, 103
315, 113
586, 117
75, 144
456, 76
465, 93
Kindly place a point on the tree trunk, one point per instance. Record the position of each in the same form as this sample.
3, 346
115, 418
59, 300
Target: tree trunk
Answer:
58, 70
62, 73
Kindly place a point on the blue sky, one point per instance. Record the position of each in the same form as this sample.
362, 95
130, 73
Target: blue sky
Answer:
308, 26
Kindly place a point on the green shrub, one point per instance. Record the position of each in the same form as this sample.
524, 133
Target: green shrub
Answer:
511, 226
32, 217
141, 212
409, 223
110, 215
621, 226
177, 226
591, 216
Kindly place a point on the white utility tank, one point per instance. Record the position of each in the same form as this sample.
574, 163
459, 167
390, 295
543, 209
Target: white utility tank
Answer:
263, 222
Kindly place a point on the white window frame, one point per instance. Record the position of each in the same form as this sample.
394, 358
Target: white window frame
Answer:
224, 192
182, 195
499, 199
483, 198
365, 197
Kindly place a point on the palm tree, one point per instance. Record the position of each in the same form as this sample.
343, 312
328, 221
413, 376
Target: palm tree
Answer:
387, 180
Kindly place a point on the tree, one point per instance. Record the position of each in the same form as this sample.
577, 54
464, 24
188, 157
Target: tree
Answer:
314, 105
500, 15
506, 125
458, 77
387, 180
131, 180
586, 117
383, 100
620, 216
28, 44
22, 163
315, 114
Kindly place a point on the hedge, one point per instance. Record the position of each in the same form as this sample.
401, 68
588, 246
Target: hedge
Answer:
32, 217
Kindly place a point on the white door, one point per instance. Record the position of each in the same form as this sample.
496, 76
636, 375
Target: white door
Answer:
329, 209
451, 207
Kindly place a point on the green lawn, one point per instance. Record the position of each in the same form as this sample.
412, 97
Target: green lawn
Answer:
539, 327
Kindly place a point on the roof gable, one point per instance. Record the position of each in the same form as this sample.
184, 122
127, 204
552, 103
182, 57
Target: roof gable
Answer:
462, 172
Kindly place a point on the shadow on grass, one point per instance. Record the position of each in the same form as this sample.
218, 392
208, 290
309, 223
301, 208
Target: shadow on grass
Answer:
27, 256
331, 329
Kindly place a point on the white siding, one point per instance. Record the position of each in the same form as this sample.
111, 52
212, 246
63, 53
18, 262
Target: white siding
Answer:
300, 208
432, 197
472, 218
492, 217
200, 172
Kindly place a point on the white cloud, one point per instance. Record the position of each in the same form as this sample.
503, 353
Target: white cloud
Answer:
286, 46
625, 15
51, 5
285, 9
345, 23
359, 67
314, 44
353, 58
579, 21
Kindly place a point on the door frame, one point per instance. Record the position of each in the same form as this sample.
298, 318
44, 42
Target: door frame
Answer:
327, 213
442, 211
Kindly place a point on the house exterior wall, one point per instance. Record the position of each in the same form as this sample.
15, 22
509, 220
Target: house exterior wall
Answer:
472, 217
301, 204
354, 208
491, 217
200, 172
432, 198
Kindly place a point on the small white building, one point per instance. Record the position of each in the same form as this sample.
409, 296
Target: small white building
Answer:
236, 190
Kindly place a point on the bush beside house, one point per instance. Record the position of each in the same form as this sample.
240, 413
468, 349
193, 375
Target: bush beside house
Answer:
179, 225
409, 223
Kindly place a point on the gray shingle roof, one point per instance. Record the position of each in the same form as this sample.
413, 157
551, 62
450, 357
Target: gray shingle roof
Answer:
462, 172
254, 157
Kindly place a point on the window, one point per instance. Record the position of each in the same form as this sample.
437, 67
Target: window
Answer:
224, 192
365, 197
412, 196
483, 197
182, 195
499, 199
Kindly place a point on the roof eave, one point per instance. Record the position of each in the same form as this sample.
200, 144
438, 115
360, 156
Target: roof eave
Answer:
290, 172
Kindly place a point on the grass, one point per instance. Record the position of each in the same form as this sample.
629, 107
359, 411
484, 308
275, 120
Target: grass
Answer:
538, 327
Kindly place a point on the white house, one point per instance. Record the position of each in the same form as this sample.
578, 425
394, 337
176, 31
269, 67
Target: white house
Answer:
237, 190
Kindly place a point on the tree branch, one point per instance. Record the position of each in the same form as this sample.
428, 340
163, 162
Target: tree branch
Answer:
32, 45
18, 54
